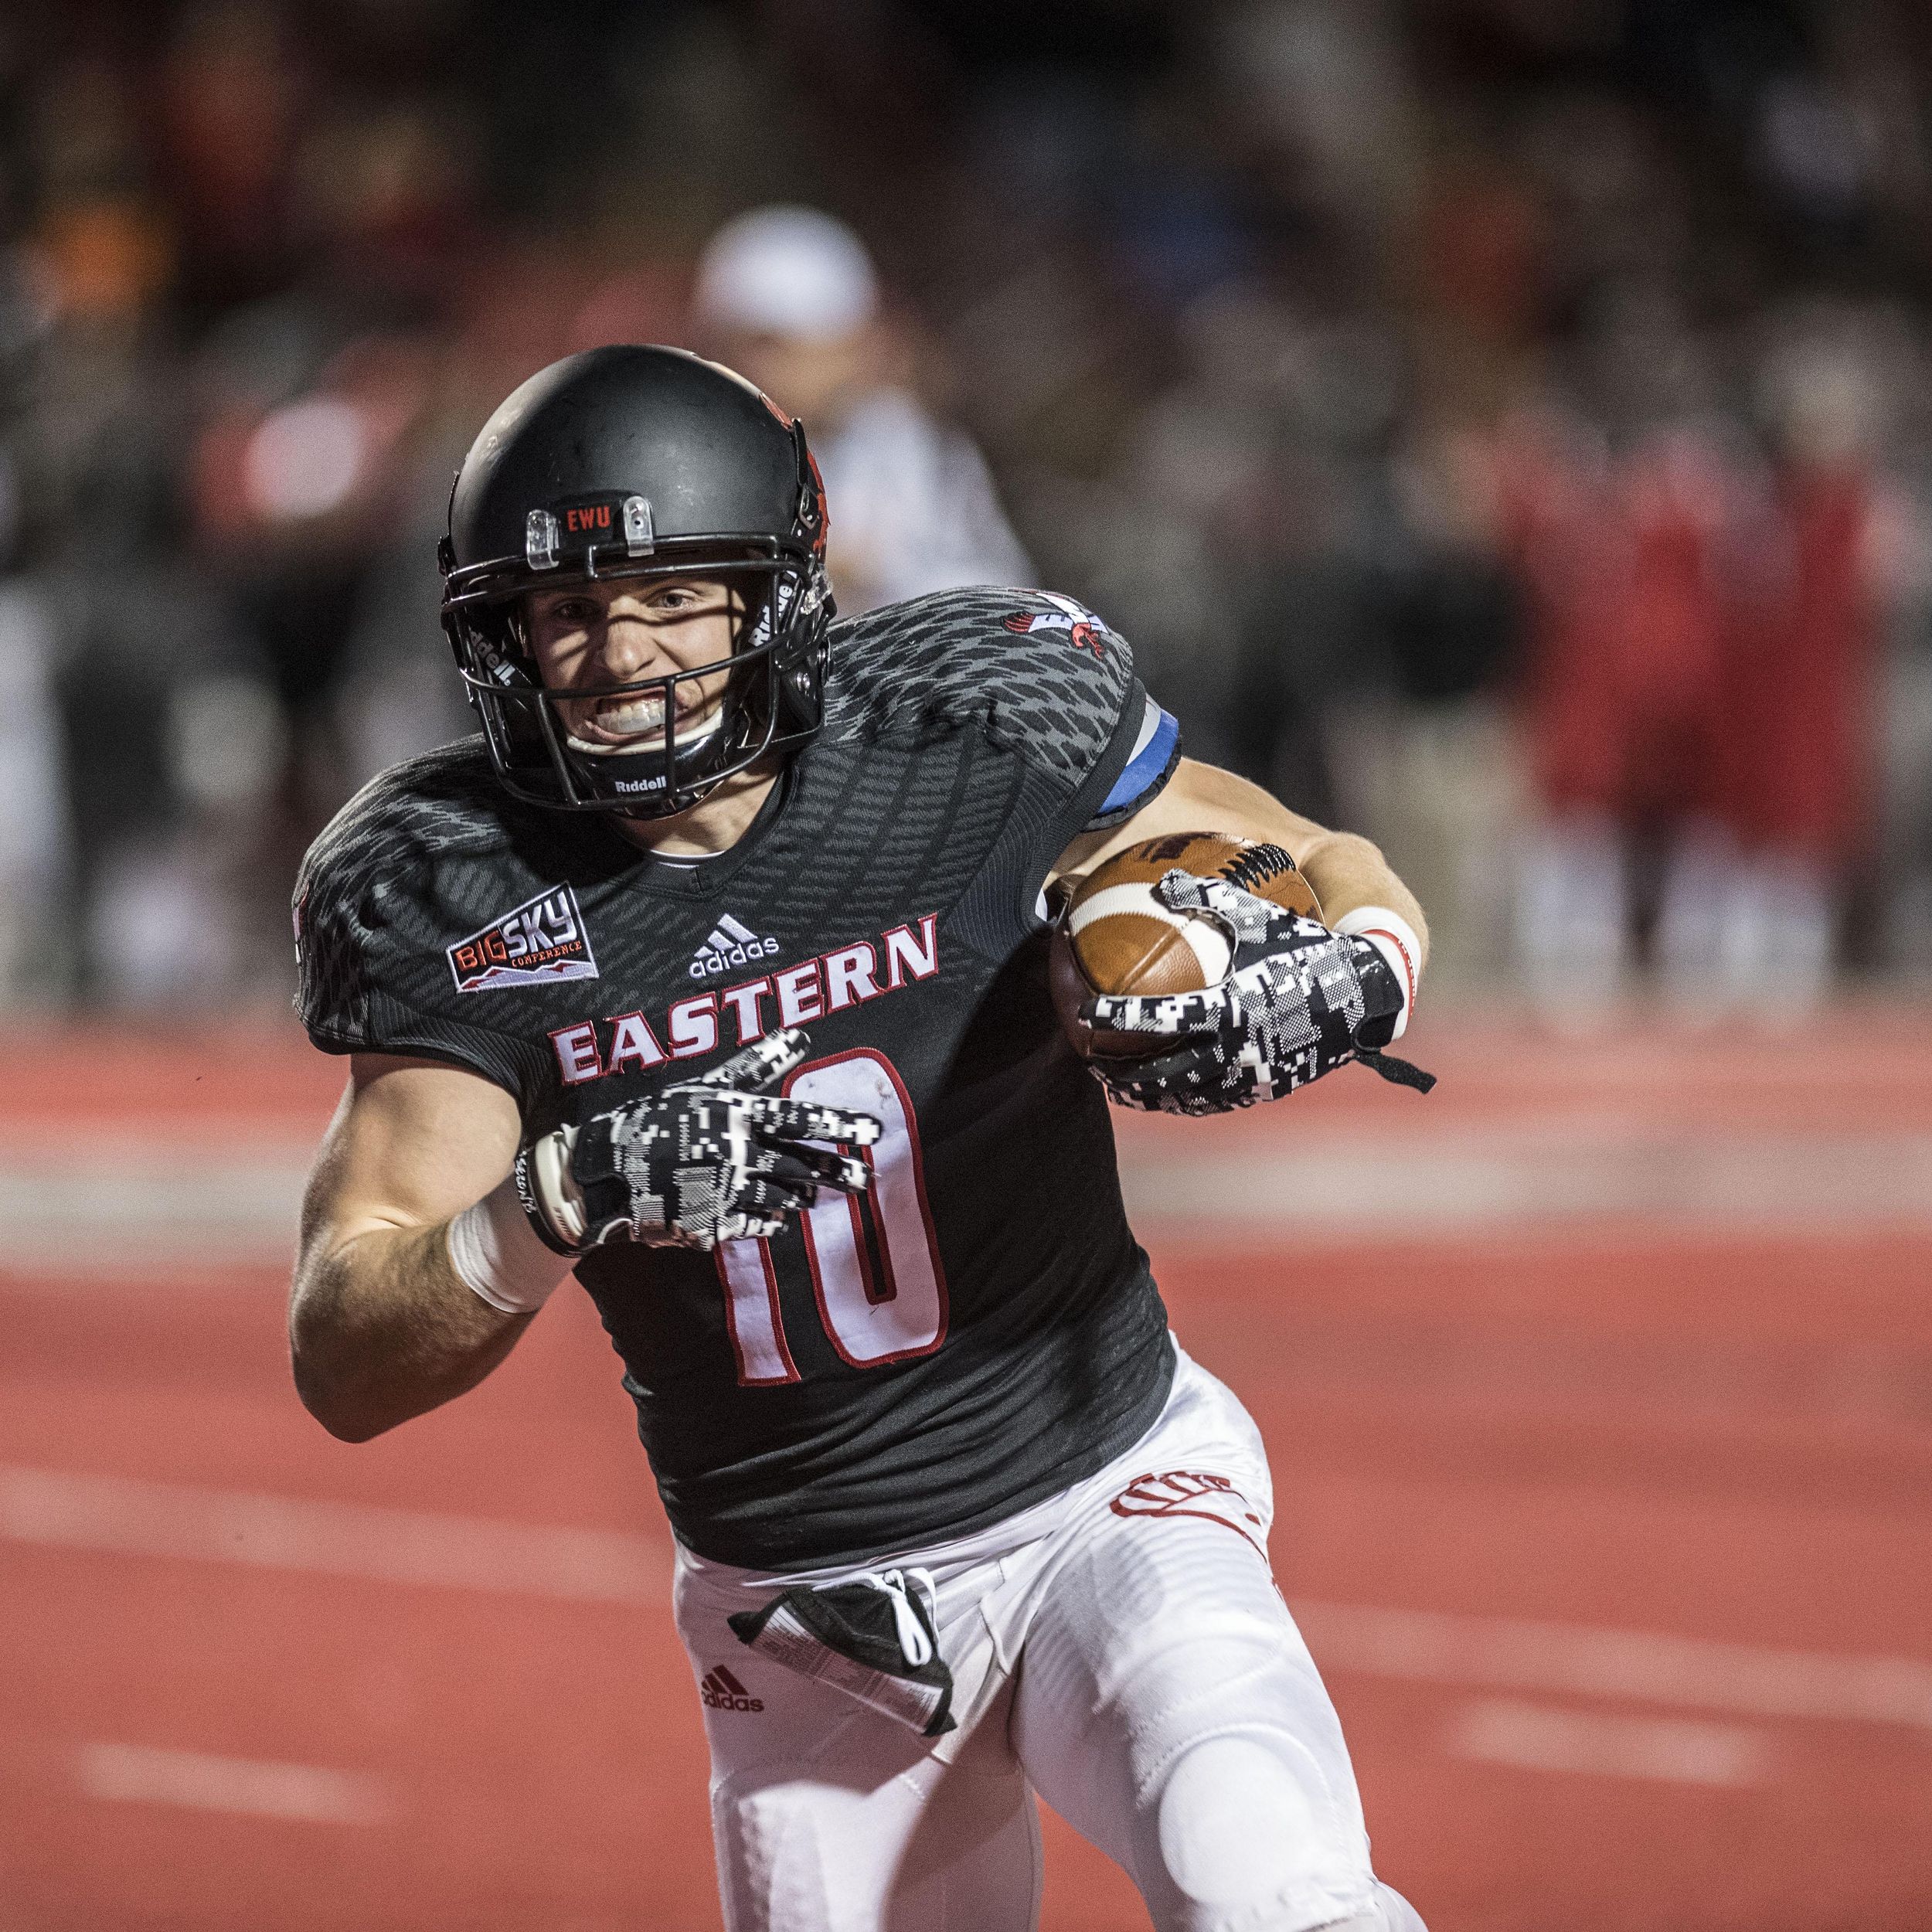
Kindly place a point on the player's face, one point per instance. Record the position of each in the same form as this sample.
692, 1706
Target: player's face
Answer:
589, 637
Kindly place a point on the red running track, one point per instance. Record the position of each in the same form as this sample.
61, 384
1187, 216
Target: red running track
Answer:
1614, 1539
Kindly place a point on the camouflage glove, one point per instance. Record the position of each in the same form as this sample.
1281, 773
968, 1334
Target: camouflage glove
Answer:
1298, 1002
706, 1161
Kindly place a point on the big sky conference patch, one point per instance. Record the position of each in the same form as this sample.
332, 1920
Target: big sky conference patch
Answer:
543, 940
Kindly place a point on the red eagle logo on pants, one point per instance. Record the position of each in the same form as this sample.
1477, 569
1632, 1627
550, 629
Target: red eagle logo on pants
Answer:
1191, 1492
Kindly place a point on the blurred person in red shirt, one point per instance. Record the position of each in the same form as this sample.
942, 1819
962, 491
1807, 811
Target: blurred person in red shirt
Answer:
1701, 664
228, 100
1624, 561
1799, 681
789, 296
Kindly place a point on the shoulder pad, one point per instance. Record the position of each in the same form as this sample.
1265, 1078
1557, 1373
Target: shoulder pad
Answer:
364, 911
1039, 673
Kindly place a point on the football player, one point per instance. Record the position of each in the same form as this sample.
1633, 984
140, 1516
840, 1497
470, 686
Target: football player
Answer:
714, 971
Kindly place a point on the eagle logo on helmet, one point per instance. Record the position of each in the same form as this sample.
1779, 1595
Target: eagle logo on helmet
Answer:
814, 518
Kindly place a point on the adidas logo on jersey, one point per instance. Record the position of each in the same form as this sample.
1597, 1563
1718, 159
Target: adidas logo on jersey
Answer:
731, 943
720, 1691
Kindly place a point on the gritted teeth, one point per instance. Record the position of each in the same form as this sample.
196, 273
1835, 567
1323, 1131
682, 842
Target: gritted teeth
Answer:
636, 724
642, 713
622, 724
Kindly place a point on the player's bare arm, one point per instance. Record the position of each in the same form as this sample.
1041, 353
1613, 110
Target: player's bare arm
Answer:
416, 1210
1346, 871
383, 1327
1296, 999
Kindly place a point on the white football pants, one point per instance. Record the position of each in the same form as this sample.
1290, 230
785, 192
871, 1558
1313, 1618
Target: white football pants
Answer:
1122, 1650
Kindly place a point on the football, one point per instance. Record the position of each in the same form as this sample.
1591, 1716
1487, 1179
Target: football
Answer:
1115, 936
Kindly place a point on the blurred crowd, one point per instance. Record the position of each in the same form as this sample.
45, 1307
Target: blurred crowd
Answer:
1504, 427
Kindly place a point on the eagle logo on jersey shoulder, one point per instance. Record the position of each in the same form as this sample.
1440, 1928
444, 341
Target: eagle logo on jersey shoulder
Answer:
1085, 628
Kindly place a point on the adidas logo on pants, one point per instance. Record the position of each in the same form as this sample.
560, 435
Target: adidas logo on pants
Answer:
722, 1691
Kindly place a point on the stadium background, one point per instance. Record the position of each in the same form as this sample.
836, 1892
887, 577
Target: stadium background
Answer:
1502, 424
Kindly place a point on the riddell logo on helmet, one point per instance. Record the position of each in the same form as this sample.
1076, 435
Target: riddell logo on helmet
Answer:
719, 1691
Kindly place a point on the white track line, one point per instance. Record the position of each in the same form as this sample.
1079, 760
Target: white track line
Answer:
1502, 1731
1390, 1186
170, 1206
136, 1773
174, 1209
122, 1516
1651, 1666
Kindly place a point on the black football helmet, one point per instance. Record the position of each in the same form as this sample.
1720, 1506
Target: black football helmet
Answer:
637, 462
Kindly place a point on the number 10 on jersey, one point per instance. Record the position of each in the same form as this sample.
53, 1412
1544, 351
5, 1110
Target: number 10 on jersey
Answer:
874, 1262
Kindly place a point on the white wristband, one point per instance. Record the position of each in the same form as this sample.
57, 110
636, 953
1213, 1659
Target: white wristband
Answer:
497, 1255
1395, 939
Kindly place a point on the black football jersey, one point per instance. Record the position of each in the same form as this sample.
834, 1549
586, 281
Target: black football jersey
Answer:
980, 1329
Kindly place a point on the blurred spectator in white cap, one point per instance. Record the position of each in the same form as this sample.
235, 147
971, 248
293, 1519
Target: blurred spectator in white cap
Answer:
789, 296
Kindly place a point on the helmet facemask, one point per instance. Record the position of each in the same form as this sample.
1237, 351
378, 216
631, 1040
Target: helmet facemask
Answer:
771, 700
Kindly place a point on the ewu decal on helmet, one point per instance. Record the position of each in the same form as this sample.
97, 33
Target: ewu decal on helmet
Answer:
639, 463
